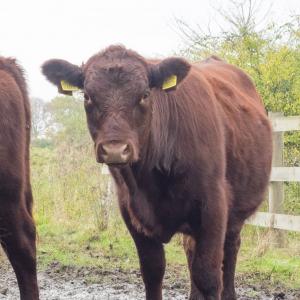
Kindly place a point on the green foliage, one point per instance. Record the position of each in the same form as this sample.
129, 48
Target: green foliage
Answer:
271, 55
260, 262
69, 188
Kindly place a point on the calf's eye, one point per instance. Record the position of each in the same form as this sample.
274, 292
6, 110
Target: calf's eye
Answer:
87, 100
88, 103
144, 97
146, 94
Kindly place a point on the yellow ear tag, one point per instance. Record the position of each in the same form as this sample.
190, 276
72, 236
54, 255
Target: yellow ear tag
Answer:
170, 82
68, 87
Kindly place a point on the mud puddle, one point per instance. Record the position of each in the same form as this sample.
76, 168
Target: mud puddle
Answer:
65, 283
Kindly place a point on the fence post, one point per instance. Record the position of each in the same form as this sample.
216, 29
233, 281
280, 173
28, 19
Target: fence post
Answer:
276, 189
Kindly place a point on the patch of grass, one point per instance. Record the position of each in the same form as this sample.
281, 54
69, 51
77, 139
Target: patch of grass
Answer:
174, 252
86, 247
275, 266
114, 249
260, 261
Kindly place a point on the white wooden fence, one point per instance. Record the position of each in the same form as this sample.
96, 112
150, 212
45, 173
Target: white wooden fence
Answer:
275, 218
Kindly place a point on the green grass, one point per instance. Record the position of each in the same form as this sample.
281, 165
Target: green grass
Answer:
86, 247
113, 249
83, 248
260, 261
276, 266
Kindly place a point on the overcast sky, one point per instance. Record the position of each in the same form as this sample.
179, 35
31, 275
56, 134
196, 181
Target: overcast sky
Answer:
36, 30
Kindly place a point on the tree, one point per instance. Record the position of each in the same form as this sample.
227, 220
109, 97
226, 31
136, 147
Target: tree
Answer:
37, 118
270, 55
66, 121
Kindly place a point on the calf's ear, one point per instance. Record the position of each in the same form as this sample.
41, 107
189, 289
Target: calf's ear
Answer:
66, 76
168, 73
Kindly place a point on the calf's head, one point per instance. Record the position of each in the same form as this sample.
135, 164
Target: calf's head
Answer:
118, 92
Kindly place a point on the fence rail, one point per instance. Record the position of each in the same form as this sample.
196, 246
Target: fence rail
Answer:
275, 218
285, 174
281, 123
277, 221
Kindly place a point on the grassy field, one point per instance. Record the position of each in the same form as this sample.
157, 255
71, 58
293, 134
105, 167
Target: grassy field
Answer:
114, 249
79, 225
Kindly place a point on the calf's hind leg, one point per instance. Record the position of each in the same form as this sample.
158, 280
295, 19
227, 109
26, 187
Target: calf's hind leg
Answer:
231, 249
189, 248
18, 240
209, 236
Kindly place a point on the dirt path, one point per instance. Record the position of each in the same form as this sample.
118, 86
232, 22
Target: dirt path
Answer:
61, 283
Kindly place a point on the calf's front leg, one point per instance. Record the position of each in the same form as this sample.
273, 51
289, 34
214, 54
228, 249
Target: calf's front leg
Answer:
207, 256
152, 264
152, 259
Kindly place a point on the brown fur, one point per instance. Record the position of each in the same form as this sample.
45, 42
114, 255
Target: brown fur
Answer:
17, 230
198, 157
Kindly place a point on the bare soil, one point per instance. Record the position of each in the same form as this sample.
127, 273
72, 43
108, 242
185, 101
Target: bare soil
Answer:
58, 282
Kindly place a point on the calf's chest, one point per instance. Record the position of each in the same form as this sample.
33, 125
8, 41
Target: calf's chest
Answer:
159, 206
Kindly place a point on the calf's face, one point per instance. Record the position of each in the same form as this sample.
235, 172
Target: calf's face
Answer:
118, 97
118, 109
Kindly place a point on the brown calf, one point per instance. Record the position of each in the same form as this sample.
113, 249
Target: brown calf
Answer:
17, 230
190, 150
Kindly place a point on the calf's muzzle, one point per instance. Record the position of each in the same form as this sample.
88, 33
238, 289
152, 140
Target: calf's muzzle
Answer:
114, 153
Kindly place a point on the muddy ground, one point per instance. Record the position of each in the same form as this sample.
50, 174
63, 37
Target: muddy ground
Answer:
59, 282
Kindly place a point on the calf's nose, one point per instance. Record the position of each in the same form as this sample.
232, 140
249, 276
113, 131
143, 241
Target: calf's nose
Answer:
114, 153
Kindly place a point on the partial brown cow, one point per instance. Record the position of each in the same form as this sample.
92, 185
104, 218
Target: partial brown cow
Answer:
17, 230
189, 148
